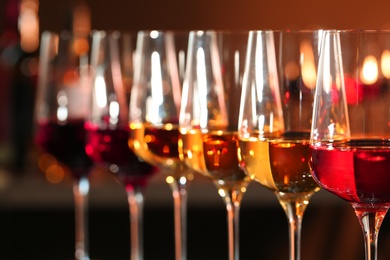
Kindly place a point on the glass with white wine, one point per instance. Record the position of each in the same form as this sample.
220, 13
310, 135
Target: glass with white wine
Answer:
208, 117
275, 119
154, 119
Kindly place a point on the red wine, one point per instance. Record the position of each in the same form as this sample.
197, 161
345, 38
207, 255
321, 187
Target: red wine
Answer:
109, 146
357, 171
66, 143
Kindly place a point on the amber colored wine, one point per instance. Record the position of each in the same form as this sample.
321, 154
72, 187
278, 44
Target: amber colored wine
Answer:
281, 165
157, 145
357, 171
215, 155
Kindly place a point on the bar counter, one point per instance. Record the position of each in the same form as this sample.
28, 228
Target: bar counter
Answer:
37, 222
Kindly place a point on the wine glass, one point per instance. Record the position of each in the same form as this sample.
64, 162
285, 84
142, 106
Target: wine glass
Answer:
208, 117
154, 119
107, 127
62, 105
275, 120
181, 44
349, 144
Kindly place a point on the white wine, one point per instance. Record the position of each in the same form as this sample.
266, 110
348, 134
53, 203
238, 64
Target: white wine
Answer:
157, 145
280, 165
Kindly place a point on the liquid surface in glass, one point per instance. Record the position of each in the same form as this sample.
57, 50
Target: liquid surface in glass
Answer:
357, 170
214, 154
279, 164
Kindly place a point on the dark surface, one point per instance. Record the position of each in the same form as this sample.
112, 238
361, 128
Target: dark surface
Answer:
37, 222
328, 233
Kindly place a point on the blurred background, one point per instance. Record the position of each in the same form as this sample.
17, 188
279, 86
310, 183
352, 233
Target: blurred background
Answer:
36, 207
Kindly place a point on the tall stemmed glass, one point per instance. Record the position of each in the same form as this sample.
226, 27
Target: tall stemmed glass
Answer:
208, 118
349, 145
62, 106
154, 119
273, 155
108, 129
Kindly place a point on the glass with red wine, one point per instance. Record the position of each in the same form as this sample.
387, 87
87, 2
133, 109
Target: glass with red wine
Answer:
62, 106
350, 135
154, 118
107, 127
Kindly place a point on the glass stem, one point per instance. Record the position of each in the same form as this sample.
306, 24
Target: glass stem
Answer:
80, 192
370, 220
135, 199
294, 205
179, 188
232, 199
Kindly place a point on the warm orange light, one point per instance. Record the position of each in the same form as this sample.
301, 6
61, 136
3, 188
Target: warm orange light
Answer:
308, 69
291, 70
385, 63
45, 160
29, 25
81, 28
369, 72
81, 20
53, 171
55, 174
81, 46
166, 149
